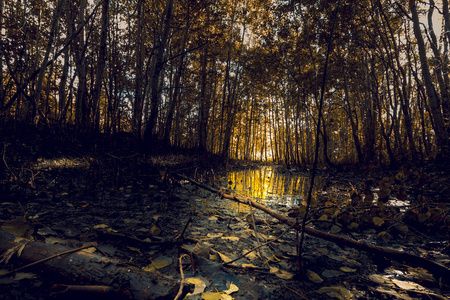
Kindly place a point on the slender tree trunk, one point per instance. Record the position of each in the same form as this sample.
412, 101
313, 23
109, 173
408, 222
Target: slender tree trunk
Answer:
204, 103
369, 116
149, 135
231, 115
324, 135
51, 38
226, 108
433, 98
386, 136
138, 89
101, 61
248, 135
81, 106
274, 142
287, 158
353, 124
445, 66
65, 71
2, 93
400, 83
46, 110
404, 101
441, 70
173, 102
212, 128
297, 134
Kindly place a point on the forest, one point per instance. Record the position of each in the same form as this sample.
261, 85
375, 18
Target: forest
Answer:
241, 79
224, 149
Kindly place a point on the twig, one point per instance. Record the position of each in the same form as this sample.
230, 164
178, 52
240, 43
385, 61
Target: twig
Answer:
261, 245
317, 144
6, 164
180, 291
295, 292
252, 218
181, 235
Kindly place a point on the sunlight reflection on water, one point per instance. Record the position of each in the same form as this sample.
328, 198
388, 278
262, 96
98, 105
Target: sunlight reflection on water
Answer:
266, 185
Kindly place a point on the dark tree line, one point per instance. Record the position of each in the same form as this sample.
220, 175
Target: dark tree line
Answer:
236, 78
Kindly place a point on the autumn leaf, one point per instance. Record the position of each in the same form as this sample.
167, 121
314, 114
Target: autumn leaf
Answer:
212, 296
230, 238
18, 227
352, 226
155, 230
408, 285
158, 263
338, 292
224, 257
200, 284
313, 277
423, 217
386, 290
284, 274
100, 226
347, 269
250, 266
377, 221
384, 236
323, 218
233, 288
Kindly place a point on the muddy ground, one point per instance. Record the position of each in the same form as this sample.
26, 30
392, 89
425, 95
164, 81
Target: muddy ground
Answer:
135, 208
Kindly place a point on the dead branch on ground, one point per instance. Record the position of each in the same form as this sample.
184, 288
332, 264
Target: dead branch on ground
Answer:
440, 271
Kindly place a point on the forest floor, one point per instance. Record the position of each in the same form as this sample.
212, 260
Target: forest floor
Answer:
139, 212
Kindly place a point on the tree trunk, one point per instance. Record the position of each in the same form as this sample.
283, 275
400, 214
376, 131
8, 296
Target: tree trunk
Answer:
81, 106
445, 66
231, 115
287, 132
354, 125
51, 38
2, 93
386, 136
324, 135
400, 82
441, 71
101, 61
173, 102
204, 103
433, 98
149, 135
248, 133
138, 88
226, 107
64, 75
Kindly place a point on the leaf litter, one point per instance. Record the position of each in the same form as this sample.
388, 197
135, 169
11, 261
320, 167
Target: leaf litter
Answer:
132, 220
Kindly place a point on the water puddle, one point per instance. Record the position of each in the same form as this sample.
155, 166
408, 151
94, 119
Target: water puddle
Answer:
269, 187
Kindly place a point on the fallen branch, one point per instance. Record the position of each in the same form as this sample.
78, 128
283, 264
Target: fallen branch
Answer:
88, 245
440, 271
93, 269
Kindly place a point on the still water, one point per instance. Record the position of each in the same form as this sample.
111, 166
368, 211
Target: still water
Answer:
270, 187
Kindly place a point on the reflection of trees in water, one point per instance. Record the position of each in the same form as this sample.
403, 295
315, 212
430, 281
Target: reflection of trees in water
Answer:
264, 183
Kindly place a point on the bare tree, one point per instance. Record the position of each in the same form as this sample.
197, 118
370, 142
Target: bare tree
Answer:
433, 97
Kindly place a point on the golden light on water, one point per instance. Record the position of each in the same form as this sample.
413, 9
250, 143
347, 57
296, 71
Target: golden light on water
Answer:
266, 185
